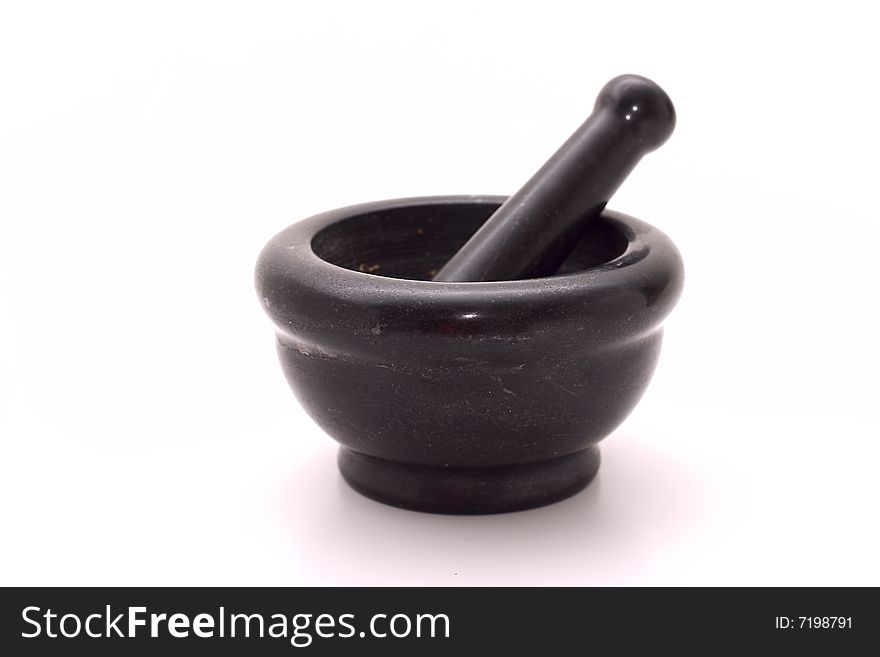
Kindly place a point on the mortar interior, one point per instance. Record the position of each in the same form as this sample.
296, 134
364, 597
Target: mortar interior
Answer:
415, 242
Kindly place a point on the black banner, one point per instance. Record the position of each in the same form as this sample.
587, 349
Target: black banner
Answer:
113, 621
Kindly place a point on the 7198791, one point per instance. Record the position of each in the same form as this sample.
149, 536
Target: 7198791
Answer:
814, 622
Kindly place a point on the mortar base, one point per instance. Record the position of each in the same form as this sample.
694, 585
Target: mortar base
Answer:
462, 490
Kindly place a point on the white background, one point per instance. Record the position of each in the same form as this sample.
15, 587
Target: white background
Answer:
149, 150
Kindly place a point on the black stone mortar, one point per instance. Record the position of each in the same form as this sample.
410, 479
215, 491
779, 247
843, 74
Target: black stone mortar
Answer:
464, 397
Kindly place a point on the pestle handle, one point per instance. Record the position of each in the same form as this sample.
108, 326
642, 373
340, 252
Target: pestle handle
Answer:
534, 230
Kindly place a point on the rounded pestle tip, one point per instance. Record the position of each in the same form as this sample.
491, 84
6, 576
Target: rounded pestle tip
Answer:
641, 104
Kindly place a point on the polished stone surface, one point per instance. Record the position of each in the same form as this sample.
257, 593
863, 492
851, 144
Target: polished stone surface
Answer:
464, 397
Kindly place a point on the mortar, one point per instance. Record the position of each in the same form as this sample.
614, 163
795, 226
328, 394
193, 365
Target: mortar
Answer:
464, 397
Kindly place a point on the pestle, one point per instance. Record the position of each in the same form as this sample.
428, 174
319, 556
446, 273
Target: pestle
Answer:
534, 230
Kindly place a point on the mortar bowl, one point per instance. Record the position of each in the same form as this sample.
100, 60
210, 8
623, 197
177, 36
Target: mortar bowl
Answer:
464, 397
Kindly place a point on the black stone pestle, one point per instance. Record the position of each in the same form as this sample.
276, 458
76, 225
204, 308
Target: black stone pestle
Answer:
534, 230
